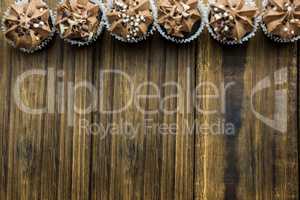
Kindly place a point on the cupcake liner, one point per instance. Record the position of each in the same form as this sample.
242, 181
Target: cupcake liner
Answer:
107, 24
245, 38
96, 35
204, 18
45, 41
272, 36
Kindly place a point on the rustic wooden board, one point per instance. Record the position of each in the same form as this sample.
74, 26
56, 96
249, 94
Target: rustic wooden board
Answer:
50, 156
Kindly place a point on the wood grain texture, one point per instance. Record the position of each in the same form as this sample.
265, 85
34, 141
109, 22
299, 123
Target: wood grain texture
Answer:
177, 149
254, 163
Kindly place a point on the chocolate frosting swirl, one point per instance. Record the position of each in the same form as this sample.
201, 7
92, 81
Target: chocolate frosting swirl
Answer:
232, 20
178, 17
78, 19
282, 18
27, 24
130, 19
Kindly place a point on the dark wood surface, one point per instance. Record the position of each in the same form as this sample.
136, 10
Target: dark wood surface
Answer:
50, 156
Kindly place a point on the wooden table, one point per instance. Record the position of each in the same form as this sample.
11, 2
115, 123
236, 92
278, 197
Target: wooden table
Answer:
53, 155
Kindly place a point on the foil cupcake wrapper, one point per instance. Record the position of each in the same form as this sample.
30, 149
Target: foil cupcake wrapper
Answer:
272, 36
40, 46
204, 17
152, 29
246, 38
96, 35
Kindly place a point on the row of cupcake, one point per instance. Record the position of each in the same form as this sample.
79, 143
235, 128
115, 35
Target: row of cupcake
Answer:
30, 24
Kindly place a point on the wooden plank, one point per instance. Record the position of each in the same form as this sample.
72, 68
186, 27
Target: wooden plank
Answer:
210, 147
168, 156
5, 88
24, 162
83, 99
275, 151
254, 162
184, 163
5, 93
101, 152
153, 139
65, 124
51, 133
127, 150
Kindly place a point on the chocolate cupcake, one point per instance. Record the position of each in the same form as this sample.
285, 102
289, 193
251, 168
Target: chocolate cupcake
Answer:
281, 20
232, 21
130, 20
28, 25
180, 20
79, 21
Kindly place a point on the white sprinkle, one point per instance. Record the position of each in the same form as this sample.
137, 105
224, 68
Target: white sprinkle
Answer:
292, 20
42, 23
226, 28
225, 14
275, 8
285, 29
36, 25
289, 8
216, 9
231, 17
293, 32
217, 16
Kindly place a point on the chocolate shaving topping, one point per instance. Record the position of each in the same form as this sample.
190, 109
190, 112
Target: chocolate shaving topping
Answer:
282, 18
27, 24
130, 19
78, 19
232, 20
178, 17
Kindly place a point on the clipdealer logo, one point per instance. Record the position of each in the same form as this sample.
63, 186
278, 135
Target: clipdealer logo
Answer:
279, 122
53, 77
